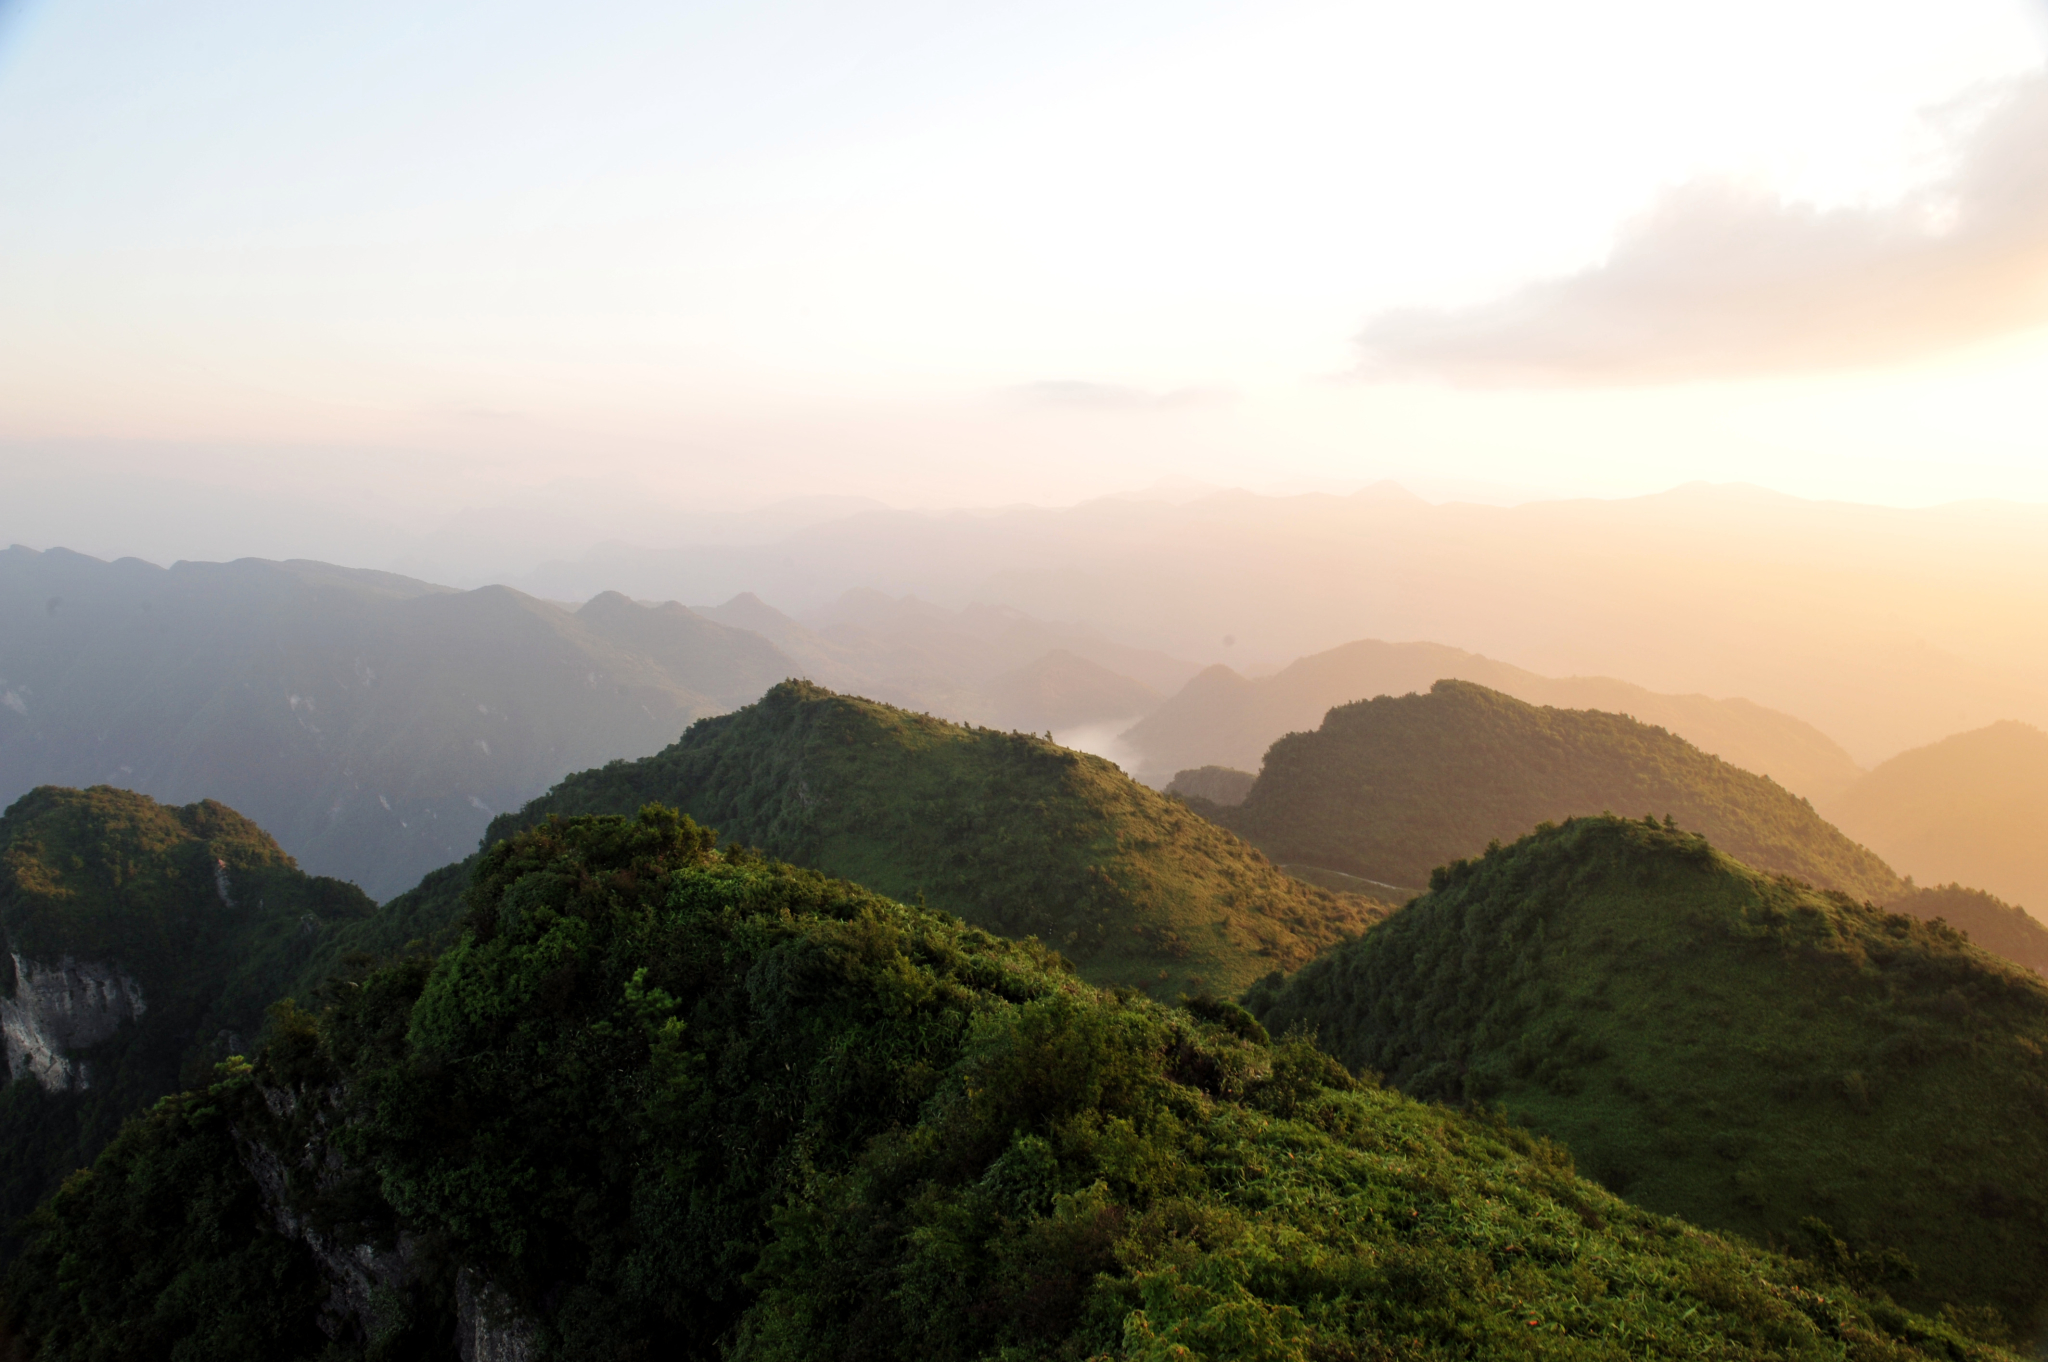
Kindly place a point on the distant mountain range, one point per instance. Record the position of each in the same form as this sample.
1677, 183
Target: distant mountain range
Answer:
373, 723
984, 664
1973, 807
1223, 719
1887, 628
376, 724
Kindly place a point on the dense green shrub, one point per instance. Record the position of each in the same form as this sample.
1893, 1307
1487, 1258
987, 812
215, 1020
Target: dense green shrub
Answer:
1009, 831
683, 1102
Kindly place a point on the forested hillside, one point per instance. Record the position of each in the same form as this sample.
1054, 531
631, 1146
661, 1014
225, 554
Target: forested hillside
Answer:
142, 943
1723, 1045
1009, 831
1391, 788
372, 723
667, 1101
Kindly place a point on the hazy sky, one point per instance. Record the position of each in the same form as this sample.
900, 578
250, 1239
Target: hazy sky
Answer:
400, 255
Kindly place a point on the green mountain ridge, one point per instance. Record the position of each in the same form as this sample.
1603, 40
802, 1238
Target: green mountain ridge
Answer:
1720, 1044
1391, 788
668, 1101
143, 944
1007, 830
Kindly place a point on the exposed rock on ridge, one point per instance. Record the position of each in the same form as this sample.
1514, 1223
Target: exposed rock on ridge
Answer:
59, 1009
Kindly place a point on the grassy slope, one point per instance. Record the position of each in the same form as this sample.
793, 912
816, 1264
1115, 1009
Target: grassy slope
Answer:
1010, 832
1390, 788
1719, 1044
689, 1105
103, 874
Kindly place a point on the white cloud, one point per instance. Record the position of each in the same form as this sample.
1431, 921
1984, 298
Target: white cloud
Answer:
1719, 281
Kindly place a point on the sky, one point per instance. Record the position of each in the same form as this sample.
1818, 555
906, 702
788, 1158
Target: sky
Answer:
387, 264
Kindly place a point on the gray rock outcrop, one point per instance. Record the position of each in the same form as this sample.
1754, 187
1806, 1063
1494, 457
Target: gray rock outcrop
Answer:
60, 1009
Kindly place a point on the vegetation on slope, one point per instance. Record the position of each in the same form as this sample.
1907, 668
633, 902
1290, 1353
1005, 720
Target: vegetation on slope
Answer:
1217, 784
1735, 1048
197, 905
1009, 831
1390, 788
666, 1101
1989, 922
1970, 808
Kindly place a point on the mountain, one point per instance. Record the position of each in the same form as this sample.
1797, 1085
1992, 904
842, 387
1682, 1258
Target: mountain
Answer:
1012, 833
143, 944
1390, 788
373, 723
1063, 690
981, 665
1216, 784
1972, 807
1886, 627
1723, 1045
1223, 719
666, 1101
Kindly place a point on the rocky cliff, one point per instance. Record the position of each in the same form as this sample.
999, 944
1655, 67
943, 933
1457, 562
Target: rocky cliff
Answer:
58, 1010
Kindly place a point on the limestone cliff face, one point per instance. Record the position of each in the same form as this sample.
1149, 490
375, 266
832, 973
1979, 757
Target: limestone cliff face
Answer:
59, 1009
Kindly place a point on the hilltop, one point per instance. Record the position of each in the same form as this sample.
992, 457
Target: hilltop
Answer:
1727, 1046
1223, 719
1009, 831
1390, 788
143, 944
374, 724
667, 1101
1972, 807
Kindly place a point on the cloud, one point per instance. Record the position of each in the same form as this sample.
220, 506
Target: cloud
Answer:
1719, 281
